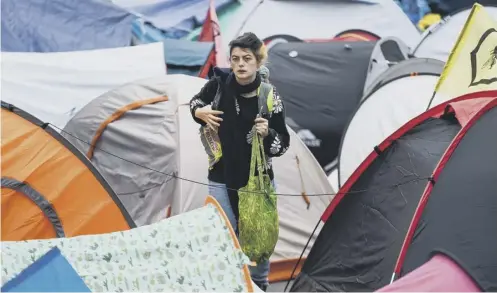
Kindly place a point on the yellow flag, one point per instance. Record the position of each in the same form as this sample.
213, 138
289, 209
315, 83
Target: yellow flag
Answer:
472, 64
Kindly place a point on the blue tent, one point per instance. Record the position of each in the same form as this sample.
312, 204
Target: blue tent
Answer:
182, 56
63, 25
177, 18
50, 273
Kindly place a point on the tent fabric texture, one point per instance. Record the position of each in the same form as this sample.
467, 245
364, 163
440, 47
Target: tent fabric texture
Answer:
63, 25
438, 40
49, 189
331, 75
67, 81
439, 274
383, 110
367, 235
382, 18
49, 273
176, 18
152, 258
146, 144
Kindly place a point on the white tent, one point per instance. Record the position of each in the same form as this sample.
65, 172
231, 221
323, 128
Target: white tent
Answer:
398, 95
320, 19
135, 123
438, 40
54, 86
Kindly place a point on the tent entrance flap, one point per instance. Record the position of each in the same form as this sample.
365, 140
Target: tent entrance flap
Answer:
39, 200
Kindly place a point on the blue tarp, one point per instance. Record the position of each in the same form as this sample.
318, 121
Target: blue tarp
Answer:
176, 52
63, 25
186, 53
182, 56
50, 273
177, 18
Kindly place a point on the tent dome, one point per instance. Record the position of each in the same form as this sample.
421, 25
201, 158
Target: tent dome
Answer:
49, 188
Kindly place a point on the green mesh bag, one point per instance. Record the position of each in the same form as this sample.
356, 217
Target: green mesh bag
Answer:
258, 223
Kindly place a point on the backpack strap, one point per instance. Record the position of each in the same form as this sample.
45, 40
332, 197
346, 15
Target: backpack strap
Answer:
265, 95
217, 97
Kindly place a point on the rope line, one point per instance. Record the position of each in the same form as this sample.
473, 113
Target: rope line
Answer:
216, 186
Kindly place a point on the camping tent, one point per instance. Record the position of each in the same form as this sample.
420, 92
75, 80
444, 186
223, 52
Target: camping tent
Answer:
398, 95
464, 201
368, 220
148, 147
49, 189
439, 274
326, 85
320, 19
438, 40
63, 25
193, 252
54, 86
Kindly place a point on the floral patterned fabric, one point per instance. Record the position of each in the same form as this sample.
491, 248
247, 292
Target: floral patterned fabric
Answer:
191, 252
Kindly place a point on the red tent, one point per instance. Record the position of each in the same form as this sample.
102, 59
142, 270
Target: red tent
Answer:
431, 187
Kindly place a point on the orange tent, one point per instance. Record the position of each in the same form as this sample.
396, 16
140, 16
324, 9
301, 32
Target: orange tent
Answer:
49, 189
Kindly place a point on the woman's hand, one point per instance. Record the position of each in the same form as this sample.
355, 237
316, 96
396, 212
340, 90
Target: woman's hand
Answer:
208, 115
261, 125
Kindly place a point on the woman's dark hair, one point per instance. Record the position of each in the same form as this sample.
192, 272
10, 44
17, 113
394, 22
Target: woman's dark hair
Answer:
253, 43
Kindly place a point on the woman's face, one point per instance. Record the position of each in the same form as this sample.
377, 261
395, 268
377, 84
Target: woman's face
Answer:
244, 64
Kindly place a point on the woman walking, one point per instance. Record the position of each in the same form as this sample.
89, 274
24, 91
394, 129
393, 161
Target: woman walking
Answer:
227, 108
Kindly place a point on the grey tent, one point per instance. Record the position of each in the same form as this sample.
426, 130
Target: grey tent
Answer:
396, 96
325, 86
147, 146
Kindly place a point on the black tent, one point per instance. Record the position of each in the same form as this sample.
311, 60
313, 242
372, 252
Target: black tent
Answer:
322, 84
367, 223
458, 213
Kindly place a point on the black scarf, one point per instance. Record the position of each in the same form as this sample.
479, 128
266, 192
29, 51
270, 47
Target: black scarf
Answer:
231, 139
